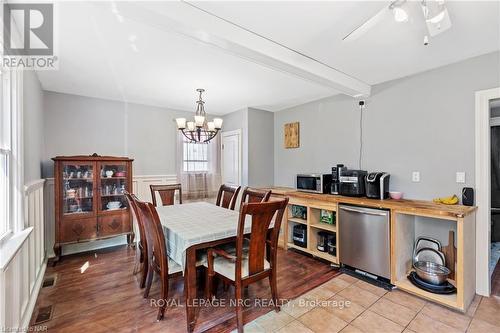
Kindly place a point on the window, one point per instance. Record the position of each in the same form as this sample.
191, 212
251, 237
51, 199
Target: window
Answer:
195, 157
5, 155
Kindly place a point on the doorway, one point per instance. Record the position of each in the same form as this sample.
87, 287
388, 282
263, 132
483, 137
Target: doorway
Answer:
486, 174
231, 157
494, 267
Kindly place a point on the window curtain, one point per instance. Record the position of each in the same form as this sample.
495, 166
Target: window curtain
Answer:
199, 184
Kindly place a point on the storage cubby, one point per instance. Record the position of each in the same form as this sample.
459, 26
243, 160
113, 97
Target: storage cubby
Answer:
312, 213
407, 227
316, 221
313, 242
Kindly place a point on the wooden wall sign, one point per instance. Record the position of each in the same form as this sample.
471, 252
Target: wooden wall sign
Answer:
292, 135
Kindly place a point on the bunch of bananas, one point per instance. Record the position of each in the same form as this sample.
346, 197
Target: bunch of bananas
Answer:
453, 200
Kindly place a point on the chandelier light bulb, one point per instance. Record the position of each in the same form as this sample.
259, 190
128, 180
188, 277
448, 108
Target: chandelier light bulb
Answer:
181, 123
190, 125
199, 120
218, 123
211, 126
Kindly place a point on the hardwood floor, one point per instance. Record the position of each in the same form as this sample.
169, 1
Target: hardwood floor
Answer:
97, 292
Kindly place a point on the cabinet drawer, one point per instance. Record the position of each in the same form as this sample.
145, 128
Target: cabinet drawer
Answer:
114, 224
78, 230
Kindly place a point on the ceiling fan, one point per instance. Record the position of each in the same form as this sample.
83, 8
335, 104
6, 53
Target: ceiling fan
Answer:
435, 14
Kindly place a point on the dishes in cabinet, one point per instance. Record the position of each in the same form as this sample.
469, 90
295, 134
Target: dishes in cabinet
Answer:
120, 174
112, 205
109, 173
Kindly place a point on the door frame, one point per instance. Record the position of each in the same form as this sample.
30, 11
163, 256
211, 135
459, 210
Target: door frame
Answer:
483, 188
240, 147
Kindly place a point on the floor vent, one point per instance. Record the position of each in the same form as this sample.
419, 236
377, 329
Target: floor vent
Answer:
49, 281
44, 314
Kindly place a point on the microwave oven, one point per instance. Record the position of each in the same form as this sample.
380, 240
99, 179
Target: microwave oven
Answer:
315, 183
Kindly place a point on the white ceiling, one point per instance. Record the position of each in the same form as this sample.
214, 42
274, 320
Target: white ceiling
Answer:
97, 56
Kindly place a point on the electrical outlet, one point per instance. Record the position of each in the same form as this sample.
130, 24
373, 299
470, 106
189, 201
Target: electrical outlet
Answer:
415, 176
460, 177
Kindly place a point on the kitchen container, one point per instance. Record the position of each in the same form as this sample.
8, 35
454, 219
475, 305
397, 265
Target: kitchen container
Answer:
431, 272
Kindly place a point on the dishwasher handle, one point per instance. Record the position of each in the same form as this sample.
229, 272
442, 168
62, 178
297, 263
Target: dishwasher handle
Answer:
363, 211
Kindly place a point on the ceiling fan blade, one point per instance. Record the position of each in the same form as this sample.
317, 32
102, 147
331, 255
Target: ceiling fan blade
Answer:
367, 25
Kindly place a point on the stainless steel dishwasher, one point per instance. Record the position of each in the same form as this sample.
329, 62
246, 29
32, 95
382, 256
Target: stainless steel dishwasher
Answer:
365, 239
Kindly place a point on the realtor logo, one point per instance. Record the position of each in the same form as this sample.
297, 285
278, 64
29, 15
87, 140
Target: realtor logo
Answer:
35, 23
28, 37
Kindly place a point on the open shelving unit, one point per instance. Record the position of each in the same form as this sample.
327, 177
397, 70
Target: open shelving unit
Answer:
407, 226
313, 226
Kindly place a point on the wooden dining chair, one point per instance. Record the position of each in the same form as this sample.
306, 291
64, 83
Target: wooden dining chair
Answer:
251, 196
248, 263
158, 260
167, 193
227, 196
142, 260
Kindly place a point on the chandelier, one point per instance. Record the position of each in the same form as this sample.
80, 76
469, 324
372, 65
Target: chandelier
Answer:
200, 130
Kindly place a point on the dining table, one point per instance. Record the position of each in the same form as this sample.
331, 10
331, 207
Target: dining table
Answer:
194, 227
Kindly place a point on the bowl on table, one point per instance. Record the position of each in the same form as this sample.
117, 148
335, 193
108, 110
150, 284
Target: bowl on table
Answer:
396, 195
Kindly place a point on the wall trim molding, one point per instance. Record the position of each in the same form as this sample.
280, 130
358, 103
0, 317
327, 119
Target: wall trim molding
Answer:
25, 321
483, 188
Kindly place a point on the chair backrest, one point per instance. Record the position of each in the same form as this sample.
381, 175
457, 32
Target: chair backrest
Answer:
262, 214
227, 196
154, 234
167, 193
132, 199
252, 196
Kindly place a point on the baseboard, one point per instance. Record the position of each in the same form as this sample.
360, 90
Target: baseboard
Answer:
25, 322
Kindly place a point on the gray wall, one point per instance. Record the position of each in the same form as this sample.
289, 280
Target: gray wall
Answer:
420, 123
260, 147
82, 125
33, 120
257, 131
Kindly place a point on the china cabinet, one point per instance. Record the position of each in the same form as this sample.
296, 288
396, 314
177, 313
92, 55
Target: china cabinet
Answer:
89, 199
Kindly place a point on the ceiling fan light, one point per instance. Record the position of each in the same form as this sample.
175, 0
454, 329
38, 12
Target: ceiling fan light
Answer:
400, 15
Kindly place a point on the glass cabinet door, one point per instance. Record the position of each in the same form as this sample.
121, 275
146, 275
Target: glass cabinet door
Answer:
78, 188
113, 182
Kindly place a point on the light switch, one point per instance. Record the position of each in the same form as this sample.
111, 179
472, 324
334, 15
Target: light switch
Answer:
460, 177
415, 176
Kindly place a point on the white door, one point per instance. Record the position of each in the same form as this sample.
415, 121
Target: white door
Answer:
231, 157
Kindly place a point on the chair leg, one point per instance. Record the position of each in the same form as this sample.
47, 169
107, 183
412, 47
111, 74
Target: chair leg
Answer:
274, 290
209, 284
149, 280
239, 307
144, 273
164, 295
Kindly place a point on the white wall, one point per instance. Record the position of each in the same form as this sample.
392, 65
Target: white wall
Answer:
33, 120
424, 123
76, 125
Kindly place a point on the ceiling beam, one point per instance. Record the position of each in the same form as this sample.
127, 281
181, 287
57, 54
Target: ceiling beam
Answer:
193, 22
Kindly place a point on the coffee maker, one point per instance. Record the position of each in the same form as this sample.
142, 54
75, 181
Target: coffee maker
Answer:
336, 178
377, 185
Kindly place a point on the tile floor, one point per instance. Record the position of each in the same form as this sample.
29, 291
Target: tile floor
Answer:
345, 304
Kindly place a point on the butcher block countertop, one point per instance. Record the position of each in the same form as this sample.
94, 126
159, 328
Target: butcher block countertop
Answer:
419, 207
